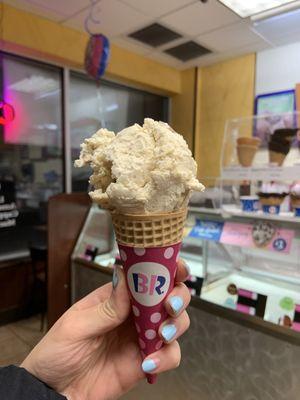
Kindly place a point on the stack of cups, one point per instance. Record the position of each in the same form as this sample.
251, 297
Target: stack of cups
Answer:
246, 150
149, 248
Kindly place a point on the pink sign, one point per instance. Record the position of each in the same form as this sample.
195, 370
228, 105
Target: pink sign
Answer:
270, 238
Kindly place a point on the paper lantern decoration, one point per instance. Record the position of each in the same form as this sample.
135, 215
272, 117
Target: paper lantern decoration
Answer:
7, 113
96, 55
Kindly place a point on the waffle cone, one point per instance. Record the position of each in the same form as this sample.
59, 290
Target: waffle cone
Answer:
277, 158
295, 201
149, 230
271, 201
246, 154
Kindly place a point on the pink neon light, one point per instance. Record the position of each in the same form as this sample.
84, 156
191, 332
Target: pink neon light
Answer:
8, 113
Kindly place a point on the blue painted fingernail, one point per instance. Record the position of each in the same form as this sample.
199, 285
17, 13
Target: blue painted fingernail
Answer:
176, 303
115, 279
168, 332
148, 365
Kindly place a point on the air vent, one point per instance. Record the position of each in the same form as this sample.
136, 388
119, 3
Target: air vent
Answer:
187, 51
155, 35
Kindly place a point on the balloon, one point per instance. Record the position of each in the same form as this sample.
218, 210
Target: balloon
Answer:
96, 55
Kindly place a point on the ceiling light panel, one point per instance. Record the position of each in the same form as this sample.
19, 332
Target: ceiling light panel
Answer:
247, 8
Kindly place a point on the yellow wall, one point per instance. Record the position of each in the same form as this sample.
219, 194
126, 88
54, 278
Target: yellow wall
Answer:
27, 34
225, 90
182, 106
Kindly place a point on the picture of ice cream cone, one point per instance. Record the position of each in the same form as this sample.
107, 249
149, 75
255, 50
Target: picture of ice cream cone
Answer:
246, 154
149, 247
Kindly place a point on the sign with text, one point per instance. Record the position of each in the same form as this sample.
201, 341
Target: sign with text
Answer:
263, 235
209, 230
8, 209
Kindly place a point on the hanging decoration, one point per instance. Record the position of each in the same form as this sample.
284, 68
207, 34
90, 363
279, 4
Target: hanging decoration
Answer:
97, 50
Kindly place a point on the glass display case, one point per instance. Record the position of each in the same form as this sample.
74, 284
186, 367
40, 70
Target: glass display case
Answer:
249, 265
260, 166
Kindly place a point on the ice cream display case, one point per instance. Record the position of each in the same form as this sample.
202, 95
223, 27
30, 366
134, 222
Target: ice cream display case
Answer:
249, 265
260, 167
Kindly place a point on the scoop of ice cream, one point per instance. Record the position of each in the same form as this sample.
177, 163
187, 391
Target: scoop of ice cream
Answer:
142, 169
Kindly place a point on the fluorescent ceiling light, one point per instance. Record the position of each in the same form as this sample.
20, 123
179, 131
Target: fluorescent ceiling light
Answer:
247, 8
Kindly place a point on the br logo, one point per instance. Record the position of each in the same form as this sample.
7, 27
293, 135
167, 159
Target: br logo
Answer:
148, 282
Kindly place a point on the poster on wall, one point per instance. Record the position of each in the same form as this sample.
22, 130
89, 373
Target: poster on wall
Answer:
8, 208
276, 111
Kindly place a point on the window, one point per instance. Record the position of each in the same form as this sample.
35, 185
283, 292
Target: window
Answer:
109, 106
31, 166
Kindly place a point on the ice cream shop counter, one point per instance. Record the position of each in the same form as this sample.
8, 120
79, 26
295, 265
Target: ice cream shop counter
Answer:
245, 309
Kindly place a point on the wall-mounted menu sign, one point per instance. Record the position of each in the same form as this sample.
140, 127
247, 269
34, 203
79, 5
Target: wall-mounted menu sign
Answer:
8, 208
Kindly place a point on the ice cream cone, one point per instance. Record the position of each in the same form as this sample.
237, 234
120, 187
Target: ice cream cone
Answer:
149, 247
276, 158
246, 154
271, 201
295, 200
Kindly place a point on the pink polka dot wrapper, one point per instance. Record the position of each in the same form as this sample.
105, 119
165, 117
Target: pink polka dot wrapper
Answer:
150, 274
149, 245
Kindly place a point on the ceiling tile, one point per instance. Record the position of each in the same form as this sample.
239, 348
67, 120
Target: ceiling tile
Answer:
132, 45
64, 8
34, 9
199, 18
210, 59
157, 8
115, 18
203, 61
231, 37
165, 59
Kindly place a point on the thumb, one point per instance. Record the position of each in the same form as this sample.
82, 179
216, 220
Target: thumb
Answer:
109, 313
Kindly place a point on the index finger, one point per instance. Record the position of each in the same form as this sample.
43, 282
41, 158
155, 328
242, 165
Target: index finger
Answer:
183, 271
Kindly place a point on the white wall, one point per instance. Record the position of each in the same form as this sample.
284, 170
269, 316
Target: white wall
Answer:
278, 69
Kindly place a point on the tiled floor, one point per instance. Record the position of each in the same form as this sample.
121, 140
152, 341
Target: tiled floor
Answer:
17, 340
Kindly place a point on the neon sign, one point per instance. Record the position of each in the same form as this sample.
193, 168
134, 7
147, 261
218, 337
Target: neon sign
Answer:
7, 113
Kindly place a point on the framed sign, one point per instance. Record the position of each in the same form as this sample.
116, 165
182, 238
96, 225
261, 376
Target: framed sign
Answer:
276, 111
